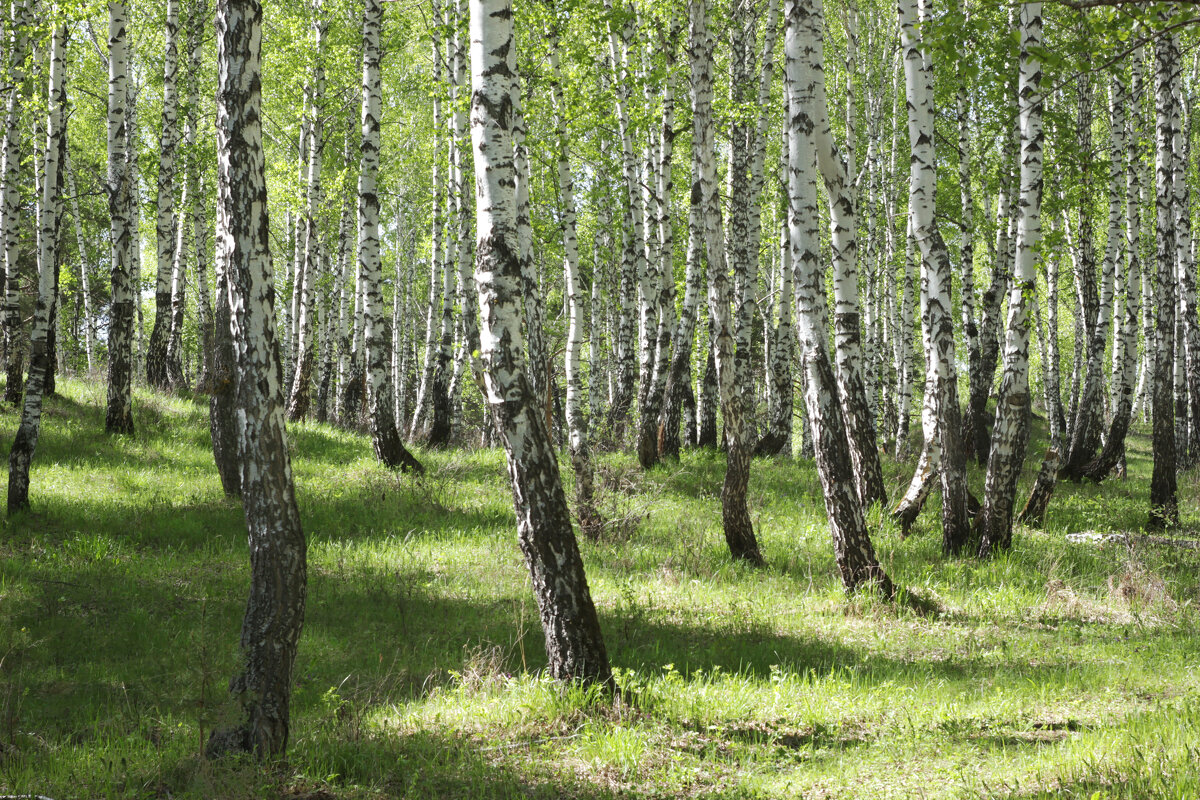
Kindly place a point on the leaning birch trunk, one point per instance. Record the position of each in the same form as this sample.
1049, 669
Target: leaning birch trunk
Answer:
1010, 432
11, 206
119, 415
300, 399
574, 645
577, 422
275, 608
156, 353
851, 542
1124, 169
731, 337
864, 448
384, 436
1164, 505
25, 442
935, 281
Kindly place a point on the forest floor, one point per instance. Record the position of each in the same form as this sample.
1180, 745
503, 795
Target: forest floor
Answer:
1060, 670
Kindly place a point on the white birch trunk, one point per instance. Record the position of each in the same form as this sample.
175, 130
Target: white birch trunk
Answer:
11, 207
577, 422
730, 336
300, 398
278, 553
384, 435
842, 193
156, 355
1010, 432
852, 545
935, 278
123, 231
40, 357
1164, 504
85, 281
573, 641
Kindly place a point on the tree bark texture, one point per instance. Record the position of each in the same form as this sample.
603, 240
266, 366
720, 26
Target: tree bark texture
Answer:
119, 416
275, 608
935, 280
851, 542
25, 442
1010, 432
1164, 504
156, 353
384, 435
573, 641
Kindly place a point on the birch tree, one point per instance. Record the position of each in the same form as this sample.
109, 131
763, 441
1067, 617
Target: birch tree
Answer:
85, 287
1124, 175
936, 317
1164, 505
25, 442
1095, 301
573, 643
839, 185
384, 435
156, 354
119, 416
634, 267
11, 206
278, 578
1010, 433
851, 543
299, 399
577, 422
730, 334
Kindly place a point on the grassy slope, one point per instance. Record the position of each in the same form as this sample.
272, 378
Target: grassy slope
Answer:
1061, 670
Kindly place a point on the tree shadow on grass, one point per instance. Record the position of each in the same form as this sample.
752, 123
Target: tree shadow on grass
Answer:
437, 764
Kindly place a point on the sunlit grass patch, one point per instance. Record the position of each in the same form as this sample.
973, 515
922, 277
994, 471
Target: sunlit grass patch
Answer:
1059, 669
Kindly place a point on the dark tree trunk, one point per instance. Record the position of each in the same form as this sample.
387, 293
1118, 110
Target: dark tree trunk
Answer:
1034, 512
707, 411
223, 386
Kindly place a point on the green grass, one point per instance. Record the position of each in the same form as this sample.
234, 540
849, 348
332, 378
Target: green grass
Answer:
1059, 670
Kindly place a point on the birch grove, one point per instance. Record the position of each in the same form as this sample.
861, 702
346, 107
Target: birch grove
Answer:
650, 239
